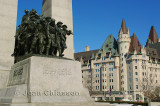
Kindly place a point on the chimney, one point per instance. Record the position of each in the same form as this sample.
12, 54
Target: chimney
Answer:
87, 48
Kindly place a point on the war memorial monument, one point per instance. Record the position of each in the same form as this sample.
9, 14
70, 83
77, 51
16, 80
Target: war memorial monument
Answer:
43, 72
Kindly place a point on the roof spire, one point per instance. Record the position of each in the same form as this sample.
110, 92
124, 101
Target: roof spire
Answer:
123, 27
153, 35
134, 34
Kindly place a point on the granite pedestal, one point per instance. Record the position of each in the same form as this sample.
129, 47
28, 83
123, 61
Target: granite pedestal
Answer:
50, 81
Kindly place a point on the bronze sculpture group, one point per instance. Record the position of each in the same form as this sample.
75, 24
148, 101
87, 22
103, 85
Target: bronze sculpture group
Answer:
40, 35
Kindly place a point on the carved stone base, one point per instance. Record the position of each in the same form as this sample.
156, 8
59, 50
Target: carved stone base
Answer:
45, 80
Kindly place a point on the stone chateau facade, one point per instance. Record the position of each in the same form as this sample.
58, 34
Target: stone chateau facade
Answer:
122, 68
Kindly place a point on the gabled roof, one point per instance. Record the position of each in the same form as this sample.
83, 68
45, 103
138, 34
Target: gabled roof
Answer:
135, 44
123, 27
85, 55
156, 48
109, 45
153, 37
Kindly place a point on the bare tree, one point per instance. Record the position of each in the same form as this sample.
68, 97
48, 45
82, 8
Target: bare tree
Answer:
149, 86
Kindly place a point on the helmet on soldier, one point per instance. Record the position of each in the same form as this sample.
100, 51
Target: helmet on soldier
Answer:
64, 26
59, 23
26, 11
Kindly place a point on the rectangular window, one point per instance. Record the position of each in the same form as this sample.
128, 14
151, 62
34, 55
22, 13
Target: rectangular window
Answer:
143, 73
121, 70
136, 86
137, 79
136, 61
135, 67
130, 87
136, 73
137, 96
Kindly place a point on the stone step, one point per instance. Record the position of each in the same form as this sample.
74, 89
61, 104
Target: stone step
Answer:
56, 104
18, 104
14, 100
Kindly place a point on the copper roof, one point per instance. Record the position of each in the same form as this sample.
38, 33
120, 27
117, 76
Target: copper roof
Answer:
123, 27
155, 50
109, 45
153, 37
135, 44
153, 53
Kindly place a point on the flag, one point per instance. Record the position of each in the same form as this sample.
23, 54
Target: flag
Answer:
110, 92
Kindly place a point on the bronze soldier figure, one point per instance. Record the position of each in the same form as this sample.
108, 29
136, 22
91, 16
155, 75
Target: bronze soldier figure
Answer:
58, 37
25, 18
40, 35
37, 45
48, 43
52, 31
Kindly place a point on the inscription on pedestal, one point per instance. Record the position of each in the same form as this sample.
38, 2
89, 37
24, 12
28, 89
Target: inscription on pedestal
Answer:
18, 72
18, 75
57, 72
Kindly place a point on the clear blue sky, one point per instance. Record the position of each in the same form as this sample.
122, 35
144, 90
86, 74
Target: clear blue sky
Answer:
94, 20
